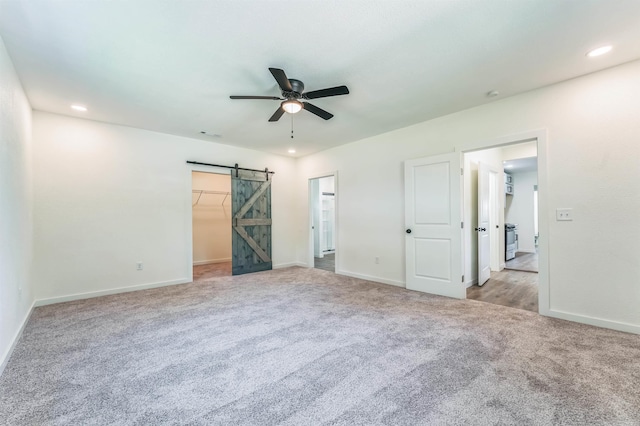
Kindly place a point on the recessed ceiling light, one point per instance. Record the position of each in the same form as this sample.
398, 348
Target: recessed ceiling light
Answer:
599, 51
493, 93
215, 135
508, 166
292, 151
79, 108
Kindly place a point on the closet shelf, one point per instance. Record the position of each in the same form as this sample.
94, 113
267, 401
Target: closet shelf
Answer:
200, 192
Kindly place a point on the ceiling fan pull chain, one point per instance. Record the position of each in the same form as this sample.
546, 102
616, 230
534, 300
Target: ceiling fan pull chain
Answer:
291, 125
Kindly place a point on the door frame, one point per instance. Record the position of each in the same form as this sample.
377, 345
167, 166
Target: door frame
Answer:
541, 138
310, 238
188, 224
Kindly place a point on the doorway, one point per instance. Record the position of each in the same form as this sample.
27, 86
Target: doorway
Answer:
322, 216
211, 225
501, 186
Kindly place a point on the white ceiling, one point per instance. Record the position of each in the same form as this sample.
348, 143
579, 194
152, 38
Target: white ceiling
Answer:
170, 66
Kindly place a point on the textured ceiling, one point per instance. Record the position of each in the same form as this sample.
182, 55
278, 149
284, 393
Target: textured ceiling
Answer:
170, 66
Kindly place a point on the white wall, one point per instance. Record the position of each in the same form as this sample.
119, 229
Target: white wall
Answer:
211, 218
16, 229
519, 209
109, 196
593, 166
521, 150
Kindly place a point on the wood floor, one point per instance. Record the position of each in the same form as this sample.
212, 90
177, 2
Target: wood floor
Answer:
327, 263
523, 262
516, 289
212, 270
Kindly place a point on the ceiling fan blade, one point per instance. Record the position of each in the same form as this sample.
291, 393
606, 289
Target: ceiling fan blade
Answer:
282, 79
317, 111
273, 98
324, 93
276, 115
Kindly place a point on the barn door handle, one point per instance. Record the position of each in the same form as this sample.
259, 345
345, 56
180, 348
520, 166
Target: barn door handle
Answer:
408, 231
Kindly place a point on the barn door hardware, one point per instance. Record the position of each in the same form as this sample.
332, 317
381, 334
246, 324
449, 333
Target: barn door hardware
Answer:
235, 167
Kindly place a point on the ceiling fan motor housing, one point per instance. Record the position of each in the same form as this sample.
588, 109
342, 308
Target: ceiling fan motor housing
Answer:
297, 89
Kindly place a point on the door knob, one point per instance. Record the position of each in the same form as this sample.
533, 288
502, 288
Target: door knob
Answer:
483, 229
408, 231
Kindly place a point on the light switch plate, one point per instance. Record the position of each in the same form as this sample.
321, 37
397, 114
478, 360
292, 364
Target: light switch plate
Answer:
564, 214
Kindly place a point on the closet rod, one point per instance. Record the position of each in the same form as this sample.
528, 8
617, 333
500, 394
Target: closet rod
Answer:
236, 168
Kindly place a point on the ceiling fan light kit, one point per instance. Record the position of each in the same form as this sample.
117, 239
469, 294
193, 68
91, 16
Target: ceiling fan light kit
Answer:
292, 92
291, 106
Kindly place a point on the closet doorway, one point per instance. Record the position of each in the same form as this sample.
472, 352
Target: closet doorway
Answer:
322, 211
211, 225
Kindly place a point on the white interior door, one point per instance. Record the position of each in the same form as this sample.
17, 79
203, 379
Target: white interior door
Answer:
484, 223
433, 225
497, 188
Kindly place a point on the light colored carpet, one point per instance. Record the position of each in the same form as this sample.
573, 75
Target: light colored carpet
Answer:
304, 346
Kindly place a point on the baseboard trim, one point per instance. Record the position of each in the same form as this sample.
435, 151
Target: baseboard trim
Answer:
89, 295
211, 261
289, 265
471, 283
525, 251
598, 322
7, 356
372, 278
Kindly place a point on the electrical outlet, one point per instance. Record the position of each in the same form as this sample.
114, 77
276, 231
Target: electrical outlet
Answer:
139, 266
377, 260
564, 214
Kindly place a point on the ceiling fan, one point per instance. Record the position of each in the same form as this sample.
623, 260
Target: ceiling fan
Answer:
293, 92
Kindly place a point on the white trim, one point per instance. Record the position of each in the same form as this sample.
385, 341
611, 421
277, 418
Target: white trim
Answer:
525, 251
540, 137
597, 322
371, 278
289, 265
210, 261
118, 290
7, 356
527, 136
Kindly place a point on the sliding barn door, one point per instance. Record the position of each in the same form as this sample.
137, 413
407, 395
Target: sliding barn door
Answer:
251, 221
